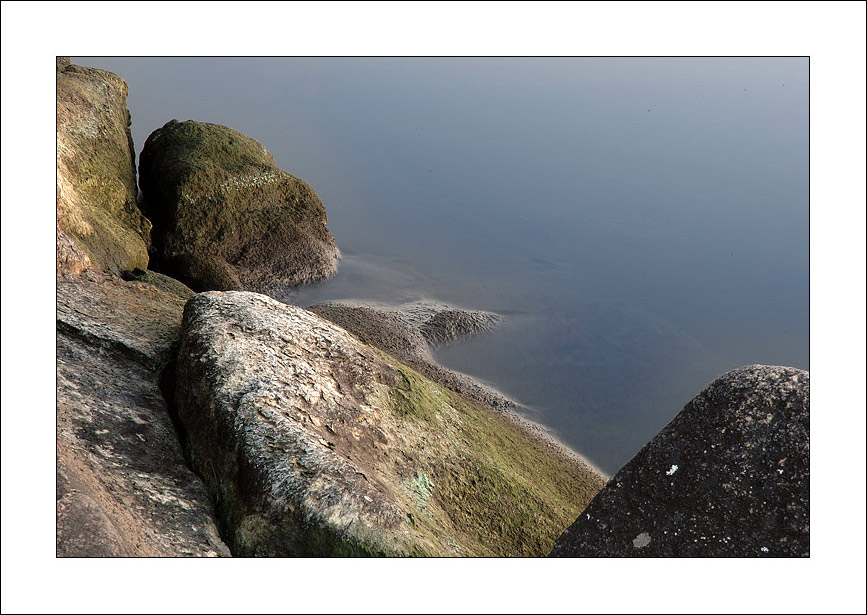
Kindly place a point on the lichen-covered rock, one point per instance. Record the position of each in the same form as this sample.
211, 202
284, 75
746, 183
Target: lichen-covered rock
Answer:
98, 221
729, 476
225, 217
123, 486
313, 443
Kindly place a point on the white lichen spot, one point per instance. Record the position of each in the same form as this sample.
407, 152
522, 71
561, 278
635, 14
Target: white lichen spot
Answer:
641, 541
764, 550
780, 471
672, 470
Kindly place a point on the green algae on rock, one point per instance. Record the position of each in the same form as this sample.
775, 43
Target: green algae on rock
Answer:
312, 443
98, 221
226, 217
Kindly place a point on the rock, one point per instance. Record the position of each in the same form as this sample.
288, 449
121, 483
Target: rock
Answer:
407, 332
123, 486
728, 477
315, 444
378, 327
451, 325
71, 260
98, 221
225, 217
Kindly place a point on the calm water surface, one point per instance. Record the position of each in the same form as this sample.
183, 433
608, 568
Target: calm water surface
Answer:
642, 223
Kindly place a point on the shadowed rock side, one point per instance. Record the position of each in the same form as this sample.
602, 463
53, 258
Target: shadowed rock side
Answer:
123, 487
407, 332
98, 222
313, 443
225, 217
729, 476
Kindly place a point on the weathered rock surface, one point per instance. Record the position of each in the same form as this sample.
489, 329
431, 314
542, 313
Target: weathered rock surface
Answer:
408, 332
98, 222
451, 325
313, 443
123, 487
378, 327
729, 476
225, 217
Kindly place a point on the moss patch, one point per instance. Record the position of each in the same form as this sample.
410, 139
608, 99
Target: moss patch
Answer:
481, 485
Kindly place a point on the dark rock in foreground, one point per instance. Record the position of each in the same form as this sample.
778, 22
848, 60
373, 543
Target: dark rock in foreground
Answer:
729, 476
225, 217
313, 443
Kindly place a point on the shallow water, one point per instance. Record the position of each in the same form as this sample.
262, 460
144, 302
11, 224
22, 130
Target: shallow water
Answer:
641, 223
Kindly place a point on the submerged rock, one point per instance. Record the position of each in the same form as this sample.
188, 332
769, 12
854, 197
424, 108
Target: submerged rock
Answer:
729, 476
123, 486
313, 443
98, 221
225, 217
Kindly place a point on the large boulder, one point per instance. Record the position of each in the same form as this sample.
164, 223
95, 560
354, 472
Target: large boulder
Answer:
313, 443
225, 217
729, 476
123, 486
98, 221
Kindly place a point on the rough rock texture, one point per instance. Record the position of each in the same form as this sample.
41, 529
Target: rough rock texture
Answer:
225, 217
382, 328
409, 331
98, 222
123, 487
313, 443
729, 476
451, 325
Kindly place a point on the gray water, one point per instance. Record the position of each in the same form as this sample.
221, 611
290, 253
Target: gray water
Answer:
642, 223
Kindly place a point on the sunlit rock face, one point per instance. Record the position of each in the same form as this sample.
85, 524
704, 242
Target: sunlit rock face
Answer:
98, 221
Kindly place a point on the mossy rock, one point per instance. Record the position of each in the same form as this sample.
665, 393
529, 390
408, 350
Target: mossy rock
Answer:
313, 444
96, 176
226, 217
